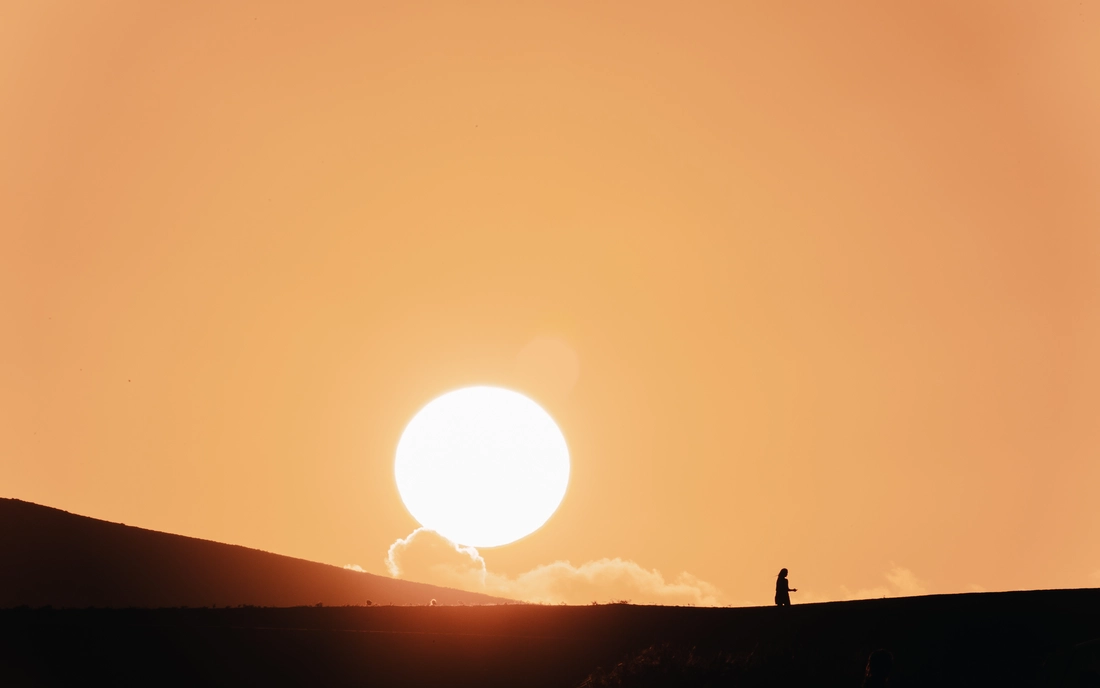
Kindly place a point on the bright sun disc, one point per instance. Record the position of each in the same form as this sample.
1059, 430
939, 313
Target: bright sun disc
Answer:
482, 466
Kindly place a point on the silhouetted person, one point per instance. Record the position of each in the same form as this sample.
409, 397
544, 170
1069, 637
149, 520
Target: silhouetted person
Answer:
879, 667
783, 590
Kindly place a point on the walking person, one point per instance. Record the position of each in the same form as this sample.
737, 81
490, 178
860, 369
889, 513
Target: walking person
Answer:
783, 590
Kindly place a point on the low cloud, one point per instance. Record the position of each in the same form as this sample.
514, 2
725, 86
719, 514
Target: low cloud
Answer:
355, 567
605, 579
427, 557
900, 582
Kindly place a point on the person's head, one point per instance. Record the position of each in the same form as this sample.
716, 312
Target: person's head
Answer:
782, 573
880, 664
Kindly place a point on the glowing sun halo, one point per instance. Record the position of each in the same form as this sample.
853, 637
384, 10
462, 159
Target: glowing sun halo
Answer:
482, 466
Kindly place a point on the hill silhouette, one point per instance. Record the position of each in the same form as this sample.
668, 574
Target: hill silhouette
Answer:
1042, 638
52, 557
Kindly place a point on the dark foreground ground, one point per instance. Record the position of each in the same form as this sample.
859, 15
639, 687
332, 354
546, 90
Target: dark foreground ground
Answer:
1001, 639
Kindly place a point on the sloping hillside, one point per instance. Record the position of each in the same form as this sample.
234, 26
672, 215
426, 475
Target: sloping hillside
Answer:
52, 557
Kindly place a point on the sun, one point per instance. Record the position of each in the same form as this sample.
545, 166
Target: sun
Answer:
482, 466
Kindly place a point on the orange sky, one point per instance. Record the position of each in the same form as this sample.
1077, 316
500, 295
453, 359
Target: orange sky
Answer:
830, 273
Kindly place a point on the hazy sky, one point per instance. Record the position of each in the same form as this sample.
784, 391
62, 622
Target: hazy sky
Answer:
813, 285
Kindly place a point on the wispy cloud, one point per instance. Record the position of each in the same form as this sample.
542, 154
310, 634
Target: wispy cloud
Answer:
427, 557
900, 582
